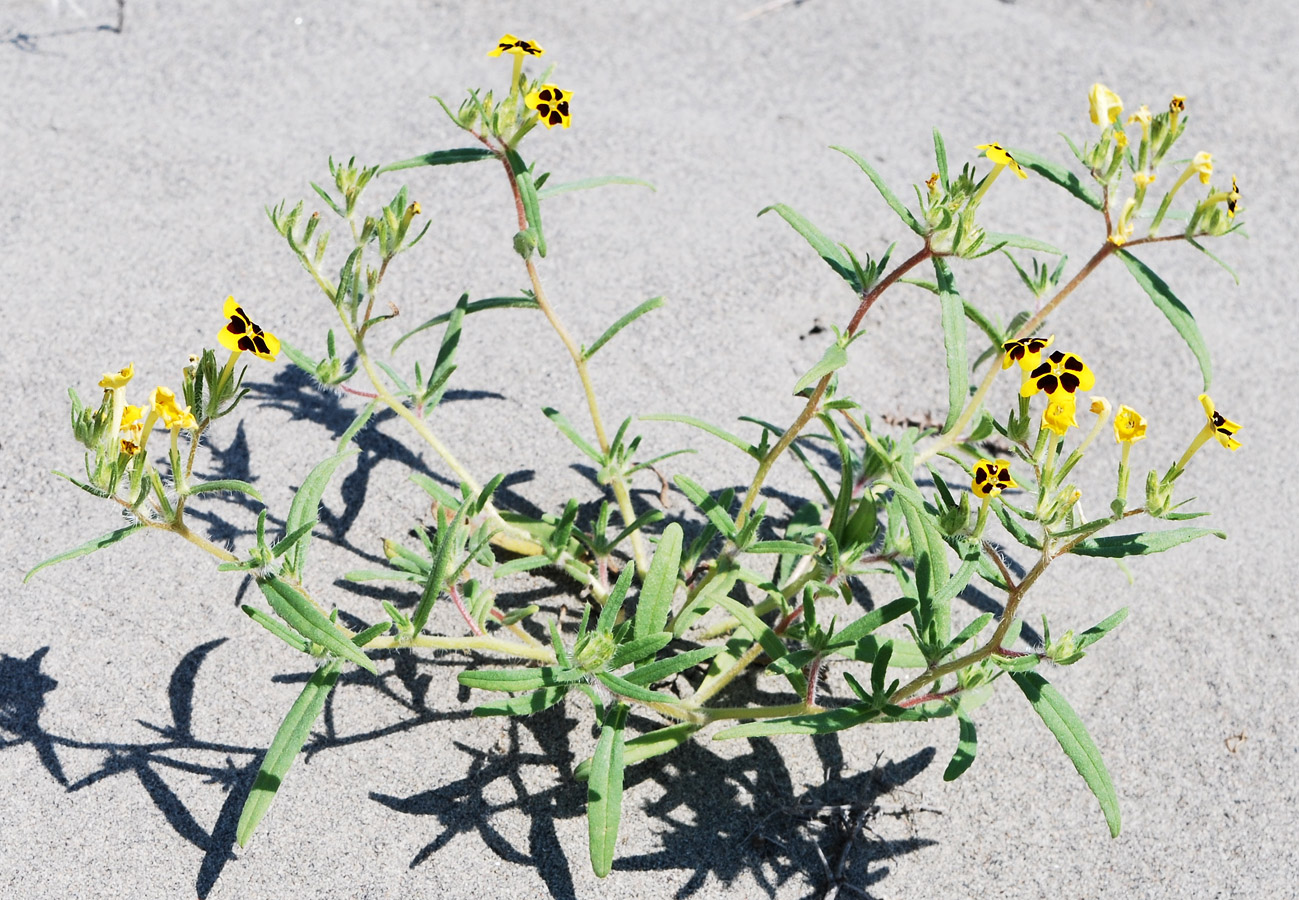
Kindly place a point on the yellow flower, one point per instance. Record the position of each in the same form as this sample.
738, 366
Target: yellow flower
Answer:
1232, 199
164, 404
1123, 228
241, 333
998, 156
1177, 104
1120, 139
932, 182
1129, 426
1141, 116
119, 378
1060, 413
131, 415
1223, 429
1027, 352
1142, 179
510, 44
551, 104
1105, 105
991, 477
1059, 372
1203, 164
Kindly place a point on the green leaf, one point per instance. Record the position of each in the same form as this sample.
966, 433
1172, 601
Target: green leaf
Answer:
940, 157
793, 548
1141, 543
631, 690
665, 668
516, 680
306, 619
1205, 250
810, 723
292, 734
889, 197
570, 432
285, 544
604, 791
306, 507
522, 564
835, 357
448, 543
1074, 739
1178, 315
652, 303
958, 367
829, 251
585, 184
440, 158
720, 518
877, 617
524, 705
1057, 174
99, 543
996, 241
708, 427
966, 746
531, 207
275, 627
1100, 629
357, 424
655, 743
638, 649
299, 359
225, 484
655, 602
472, 307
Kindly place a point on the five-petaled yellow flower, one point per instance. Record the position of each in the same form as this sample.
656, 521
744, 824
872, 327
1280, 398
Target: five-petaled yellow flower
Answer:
551, 104
1203, 164
1223, 429
119, 378
1105, 105
1059, 372
1129, 426
518, 46
241, 334
164, 404
1232, 199
1060, 413
991, 477
1027, 352
998, 156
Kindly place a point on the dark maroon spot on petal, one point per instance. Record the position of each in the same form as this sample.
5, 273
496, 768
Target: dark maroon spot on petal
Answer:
563, 108
1056, 357
1073, 364
1043, 369
1048, 384
1037, 345
980, 476
545, 95
559, 95
245, 343
260, 345
1218, 420
1069, 382
543, 109
556, 118
236, 326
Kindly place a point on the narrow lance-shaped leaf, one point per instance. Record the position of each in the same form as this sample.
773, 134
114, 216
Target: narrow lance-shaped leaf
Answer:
712, 429
890, 198
604, 791
292, 734
440, 158
1142, 543
958, 367
472, 307
307, 620
1074, 739
835, 357
655, 603
966, 747
1057, 174
612, 330
306, 506
99, 543
1178, 315
832, 253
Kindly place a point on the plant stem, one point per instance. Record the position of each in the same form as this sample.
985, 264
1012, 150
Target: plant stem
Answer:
485, 642
809, 410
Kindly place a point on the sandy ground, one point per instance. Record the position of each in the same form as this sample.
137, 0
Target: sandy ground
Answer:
135, 698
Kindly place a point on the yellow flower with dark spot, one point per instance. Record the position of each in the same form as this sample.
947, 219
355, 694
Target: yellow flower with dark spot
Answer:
991, 477
1232, 199
518, 46
1203, 164
998, 156
119, 378
1058, 372
1027, 352
164, 404
1177, 104
1223, 429
1105, 105
1061, 413
241, 334
551, 104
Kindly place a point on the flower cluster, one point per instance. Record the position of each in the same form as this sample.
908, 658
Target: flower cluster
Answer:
548, 101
